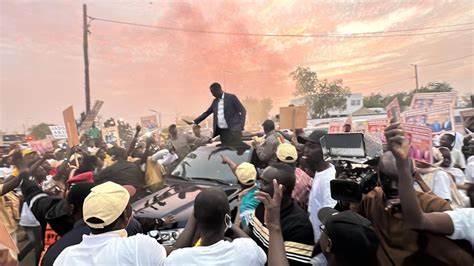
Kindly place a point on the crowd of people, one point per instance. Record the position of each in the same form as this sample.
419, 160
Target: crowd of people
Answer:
417, 214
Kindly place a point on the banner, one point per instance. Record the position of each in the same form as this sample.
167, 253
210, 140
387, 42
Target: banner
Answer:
393, 108
421, 142
149, 123
111, 135
90, 117
376, 128
336, 127
438, 118
431, 99
59, 132
360, 126
71, 128
293, 117
41, 146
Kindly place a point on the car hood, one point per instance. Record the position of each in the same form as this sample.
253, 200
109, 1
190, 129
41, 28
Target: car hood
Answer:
176, 198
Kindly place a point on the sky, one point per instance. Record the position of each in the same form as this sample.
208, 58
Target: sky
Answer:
134, 69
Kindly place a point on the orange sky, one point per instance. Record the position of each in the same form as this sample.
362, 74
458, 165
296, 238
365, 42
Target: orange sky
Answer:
134, 69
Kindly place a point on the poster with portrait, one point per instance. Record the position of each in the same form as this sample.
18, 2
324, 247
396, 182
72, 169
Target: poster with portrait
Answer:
421, 142
111, 135
393, 108
438, 118
336, 126
376, 128
42, 145
149, 123
431, 99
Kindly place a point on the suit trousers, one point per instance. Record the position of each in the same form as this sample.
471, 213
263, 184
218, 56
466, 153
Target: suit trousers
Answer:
229, 137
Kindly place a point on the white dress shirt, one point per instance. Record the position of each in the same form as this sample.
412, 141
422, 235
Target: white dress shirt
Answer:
463, 222
320, 196
113, 248
221, 123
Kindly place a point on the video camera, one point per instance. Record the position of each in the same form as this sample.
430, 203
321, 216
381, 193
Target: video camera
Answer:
355, 165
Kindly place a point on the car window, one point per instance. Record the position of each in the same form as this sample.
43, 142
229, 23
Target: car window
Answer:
207, 163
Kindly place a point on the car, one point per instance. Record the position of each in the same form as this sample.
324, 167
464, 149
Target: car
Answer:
200, 169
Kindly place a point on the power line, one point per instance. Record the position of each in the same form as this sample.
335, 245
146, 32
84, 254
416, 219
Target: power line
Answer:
449, 60
316, 35
388, 83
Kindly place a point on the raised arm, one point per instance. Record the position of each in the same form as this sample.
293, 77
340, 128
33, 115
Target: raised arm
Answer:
203, 116
133, 143
413, 215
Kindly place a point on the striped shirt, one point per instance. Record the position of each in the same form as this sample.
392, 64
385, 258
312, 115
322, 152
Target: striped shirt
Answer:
296, 230
221, 123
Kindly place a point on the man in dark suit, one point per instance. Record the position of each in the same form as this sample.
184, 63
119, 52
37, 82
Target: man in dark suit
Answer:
229, 116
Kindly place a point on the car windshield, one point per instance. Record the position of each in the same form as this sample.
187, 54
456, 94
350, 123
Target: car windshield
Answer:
206, 163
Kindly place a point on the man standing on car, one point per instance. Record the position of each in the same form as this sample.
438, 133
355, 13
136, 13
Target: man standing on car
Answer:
229, 116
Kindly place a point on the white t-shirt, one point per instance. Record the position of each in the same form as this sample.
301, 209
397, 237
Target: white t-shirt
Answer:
463, 221
320, 196
241, 251
441, 185
470, 170
457, 173
113, 248
458, 159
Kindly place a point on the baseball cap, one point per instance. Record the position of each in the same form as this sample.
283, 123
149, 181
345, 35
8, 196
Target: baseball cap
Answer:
106, 202
87, 177
287, 153
246, 173
314, 137
349, 232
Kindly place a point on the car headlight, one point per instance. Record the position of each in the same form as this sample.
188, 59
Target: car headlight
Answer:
166, 237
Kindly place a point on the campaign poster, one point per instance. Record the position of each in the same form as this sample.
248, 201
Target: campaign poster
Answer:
293, 117
90, 117
393, 109
41, 146
111, 135
421, 142
71, 128
360, 126
376, 128
149, 123
438, 118
336, 127
431, 99
58, 132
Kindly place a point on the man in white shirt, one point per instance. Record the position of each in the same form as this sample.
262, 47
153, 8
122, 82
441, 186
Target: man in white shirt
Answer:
211, 218
458, 160
106, 212
320, 195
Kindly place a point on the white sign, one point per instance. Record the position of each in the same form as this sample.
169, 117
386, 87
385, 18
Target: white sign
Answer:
59, 132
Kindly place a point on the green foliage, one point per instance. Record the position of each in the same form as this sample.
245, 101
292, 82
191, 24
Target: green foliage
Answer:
321, 95
404, 98
40, 131
257, 110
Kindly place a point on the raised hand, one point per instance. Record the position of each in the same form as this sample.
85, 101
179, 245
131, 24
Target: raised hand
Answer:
272, 204
397, 143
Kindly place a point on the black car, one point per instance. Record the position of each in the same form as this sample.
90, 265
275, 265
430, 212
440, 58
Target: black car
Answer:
200, 169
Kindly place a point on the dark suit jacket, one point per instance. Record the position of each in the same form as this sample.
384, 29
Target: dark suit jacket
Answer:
234, 113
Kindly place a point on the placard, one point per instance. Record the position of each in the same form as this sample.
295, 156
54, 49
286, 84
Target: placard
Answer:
393, 108
71, 127
438, 118
41, 146
293, 117
111, 135
376, 128
336, 126
431, 99
149, 123
90, 117
58, 132
421, 142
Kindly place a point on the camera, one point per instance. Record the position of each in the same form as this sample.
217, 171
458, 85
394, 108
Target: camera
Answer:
355, 158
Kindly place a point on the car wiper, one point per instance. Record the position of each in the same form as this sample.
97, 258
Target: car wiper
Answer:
212, 180
180, 177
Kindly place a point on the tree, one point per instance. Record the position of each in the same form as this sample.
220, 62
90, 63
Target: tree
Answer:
257, 110
40, 131
321, 95
435, 87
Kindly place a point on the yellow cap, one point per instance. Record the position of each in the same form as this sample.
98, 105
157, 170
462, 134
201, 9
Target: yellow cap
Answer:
246, 173
26, 151
105, 202
287, 153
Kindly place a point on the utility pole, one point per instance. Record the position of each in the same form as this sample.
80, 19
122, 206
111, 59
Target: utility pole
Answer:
416, 75
86, 58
